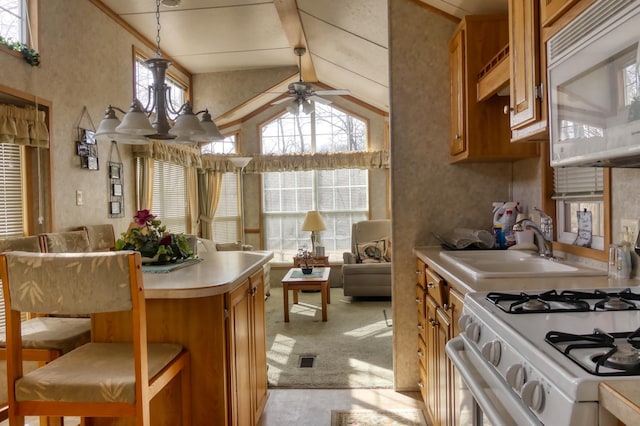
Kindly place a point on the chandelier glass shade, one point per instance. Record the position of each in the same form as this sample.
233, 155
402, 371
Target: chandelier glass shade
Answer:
136, 128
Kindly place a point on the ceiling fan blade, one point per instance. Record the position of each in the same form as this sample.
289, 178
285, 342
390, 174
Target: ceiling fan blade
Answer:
332, 92
319, 100
283, 100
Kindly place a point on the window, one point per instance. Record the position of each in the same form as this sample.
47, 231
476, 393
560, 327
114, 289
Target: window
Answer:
226, 222
341, 196
14, 20
144, 79
630, 82
11, 198
577, 189
229, 145
169, 195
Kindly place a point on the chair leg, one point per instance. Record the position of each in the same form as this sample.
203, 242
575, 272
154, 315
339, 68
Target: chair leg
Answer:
51, 421
185, 379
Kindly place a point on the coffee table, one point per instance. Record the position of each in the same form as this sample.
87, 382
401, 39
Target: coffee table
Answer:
295, 280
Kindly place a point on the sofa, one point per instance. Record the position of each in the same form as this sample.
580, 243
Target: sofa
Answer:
366, 270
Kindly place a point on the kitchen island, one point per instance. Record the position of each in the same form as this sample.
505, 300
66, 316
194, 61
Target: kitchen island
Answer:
215, 309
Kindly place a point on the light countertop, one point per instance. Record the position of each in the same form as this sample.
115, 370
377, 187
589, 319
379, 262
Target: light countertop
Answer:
218, 273
465, 282
622, 400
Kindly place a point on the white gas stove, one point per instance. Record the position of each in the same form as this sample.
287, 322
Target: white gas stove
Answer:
538, 357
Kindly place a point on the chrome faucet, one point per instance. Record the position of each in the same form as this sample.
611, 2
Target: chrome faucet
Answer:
545, 246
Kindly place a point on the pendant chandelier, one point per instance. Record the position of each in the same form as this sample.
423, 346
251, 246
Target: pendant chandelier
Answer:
135, 128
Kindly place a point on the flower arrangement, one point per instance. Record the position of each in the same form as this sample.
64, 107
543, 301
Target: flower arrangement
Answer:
148, 236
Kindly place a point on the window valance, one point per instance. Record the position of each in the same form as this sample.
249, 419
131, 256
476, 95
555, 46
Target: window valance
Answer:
299, 162
188, 156
23, 126
177, 154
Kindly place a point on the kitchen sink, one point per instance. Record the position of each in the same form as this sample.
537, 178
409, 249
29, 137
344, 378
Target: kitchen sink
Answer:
515, 263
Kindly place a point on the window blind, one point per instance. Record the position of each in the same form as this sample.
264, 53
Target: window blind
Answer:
169, 196
11, 217
584, 183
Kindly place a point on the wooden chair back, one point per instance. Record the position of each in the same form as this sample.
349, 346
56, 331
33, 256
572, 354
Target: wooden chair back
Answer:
72, 284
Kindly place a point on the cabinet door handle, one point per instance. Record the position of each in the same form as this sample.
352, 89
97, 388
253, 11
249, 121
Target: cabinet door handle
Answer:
418, 272
420, 385
457, 137
420, 327
420, 353
431, 285
418, 301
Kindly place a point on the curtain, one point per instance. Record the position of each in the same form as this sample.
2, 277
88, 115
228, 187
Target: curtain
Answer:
23, 126
209, 191
145, 185
191, 177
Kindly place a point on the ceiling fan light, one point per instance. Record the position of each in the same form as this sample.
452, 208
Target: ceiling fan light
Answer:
293, 108
307, 108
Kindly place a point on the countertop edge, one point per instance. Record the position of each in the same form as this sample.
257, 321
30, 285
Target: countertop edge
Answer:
621, 399
216, 289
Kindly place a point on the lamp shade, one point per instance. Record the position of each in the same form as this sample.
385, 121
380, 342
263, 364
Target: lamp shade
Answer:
313, 222
240, 162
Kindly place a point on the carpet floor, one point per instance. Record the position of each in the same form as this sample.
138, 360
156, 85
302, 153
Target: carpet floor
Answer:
392, 417
353, 349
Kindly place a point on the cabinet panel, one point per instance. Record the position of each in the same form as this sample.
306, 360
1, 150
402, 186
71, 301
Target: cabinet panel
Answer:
457, 144
456, 302
442, 328
436, 287
240, 355
259, 349
524, 44
432, 400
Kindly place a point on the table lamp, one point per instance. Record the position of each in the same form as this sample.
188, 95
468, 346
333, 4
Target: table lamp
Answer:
313, 222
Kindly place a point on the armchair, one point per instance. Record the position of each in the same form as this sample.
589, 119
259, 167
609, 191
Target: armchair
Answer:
366, 270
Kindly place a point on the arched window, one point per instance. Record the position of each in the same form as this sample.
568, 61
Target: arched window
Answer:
340, 195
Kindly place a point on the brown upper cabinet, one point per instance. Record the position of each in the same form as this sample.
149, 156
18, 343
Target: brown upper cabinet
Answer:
526, 90
480, 131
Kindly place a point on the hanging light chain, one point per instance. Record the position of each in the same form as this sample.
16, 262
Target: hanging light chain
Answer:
158, 53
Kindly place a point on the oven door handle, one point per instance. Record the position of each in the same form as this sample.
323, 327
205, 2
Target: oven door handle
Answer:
517, 413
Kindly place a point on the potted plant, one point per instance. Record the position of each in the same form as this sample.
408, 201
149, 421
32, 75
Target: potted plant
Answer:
305, 257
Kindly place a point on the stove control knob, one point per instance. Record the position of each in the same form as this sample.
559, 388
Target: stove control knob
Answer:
472, 330
516, 376
491, 351
533, 395
463, 321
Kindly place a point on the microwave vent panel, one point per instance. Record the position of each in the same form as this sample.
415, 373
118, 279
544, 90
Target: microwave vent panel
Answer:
597, 18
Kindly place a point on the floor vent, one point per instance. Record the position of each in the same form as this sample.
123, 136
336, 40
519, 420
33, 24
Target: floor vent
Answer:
307, 361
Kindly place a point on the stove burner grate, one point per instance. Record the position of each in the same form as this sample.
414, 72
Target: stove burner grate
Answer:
549, 301
622, 356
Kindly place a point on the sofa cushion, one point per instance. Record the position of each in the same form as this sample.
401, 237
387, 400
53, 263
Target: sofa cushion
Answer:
371, 251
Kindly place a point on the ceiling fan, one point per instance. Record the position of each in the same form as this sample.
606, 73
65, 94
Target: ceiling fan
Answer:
302, 93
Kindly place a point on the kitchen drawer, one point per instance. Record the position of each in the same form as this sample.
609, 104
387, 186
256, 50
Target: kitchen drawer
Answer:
422, 353
421, 295
420, 278
436, 287
422, 327
422, 383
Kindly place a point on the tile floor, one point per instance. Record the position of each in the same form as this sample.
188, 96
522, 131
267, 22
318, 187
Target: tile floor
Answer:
312, 407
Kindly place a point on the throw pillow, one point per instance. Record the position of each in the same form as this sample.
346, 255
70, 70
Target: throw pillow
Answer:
371, 251
387, 251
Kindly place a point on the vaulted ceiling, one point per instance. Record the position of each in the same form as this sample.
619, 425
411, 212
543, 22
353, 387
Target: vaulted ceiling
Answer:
346, 40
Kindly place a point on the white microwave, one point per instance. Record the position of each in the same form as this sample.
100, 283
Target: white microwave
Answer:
594, 87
